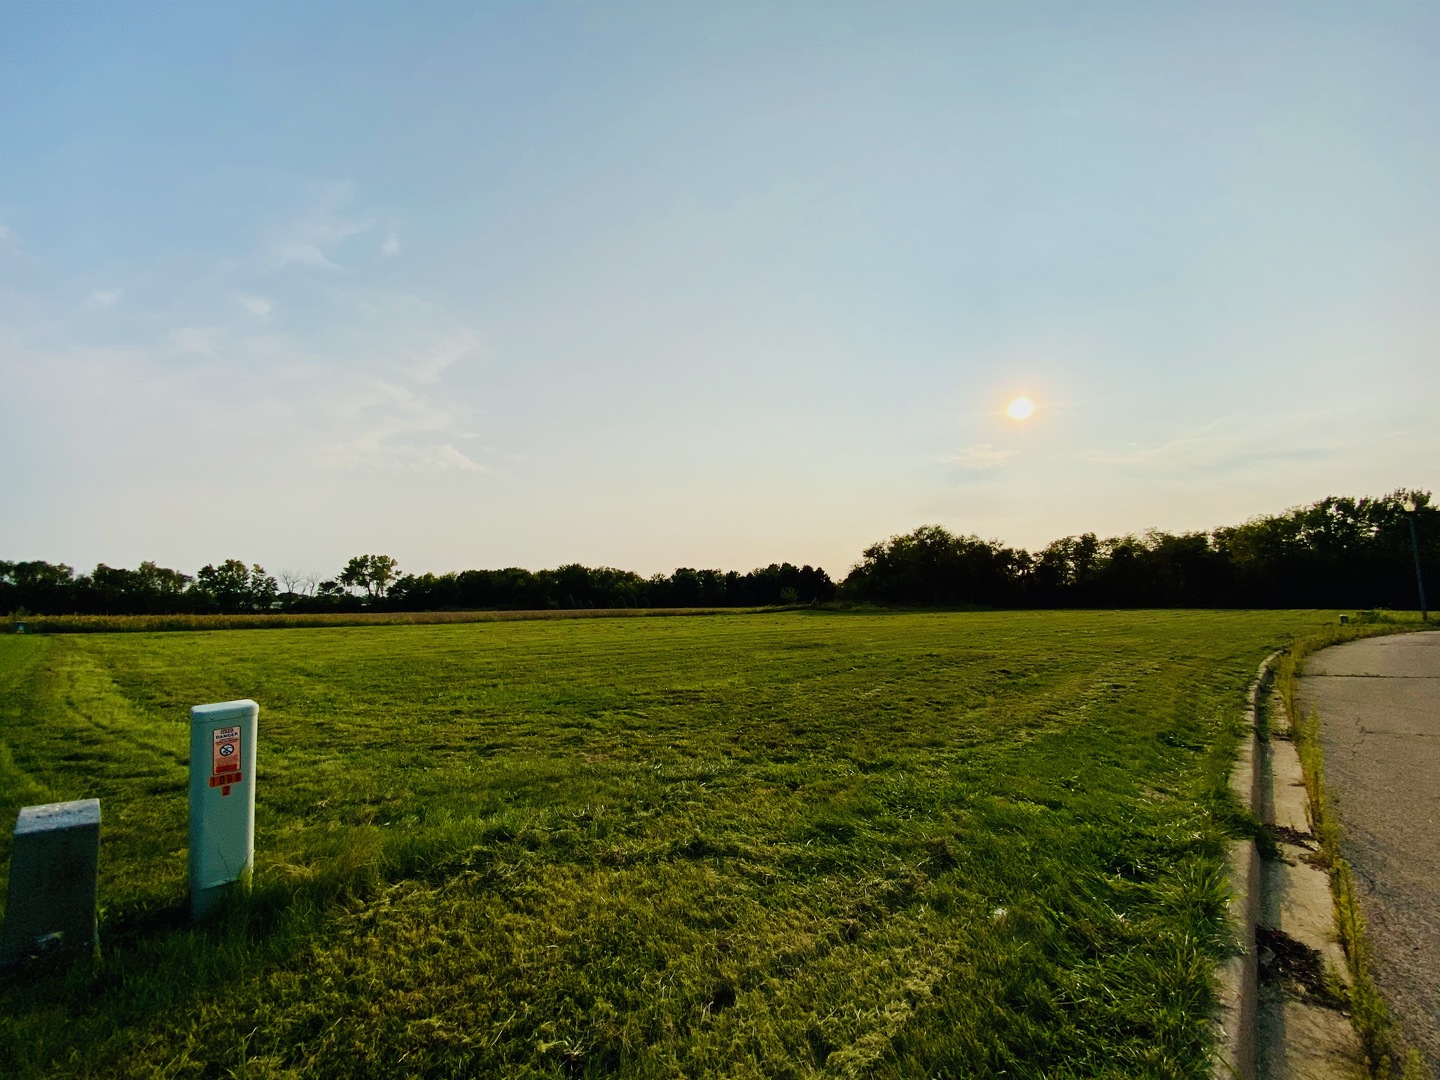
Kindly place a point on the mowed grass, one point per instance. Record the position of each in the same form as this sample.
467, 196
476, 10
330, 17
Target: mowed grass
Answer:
767, 845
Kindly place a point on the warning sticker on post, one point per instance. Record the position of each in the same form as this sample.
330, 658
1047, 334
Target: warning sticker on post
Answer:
225, 767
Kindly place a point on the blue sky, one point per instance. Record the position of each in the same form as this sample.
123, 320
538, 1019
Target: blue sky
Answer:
653, 285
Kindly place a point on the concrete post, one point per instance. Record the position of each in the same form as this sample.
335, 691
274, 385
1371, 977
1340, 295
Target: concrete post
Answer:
53, 866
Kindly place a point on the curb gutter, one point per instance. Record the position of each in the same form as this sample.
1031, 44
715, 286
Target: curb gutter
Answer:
1239, 978
1297, 1028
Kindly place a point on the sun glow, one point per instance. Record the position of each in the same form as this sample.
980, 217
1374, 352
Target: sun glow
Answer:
1020, 408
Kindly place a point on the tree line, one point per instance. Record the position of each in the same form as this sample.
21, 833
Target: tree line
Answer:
373, 582
1338, 552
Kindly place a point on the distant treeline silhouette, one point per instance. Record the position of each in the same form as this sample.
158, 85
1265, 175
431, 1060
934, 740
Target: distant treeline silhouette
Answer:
371, 582
1338, 552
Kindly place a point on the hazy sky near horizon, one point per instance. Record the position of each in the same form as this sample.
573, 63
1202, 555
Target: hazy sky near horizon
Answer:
656, 285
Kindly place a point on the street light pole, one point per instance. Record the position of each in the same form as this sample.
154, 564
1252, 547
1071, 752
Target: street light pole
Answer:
1410, 509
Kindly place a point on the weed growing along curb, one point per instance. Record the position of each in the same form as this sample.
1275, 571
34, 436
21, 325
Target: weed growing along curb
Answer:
1385, 1054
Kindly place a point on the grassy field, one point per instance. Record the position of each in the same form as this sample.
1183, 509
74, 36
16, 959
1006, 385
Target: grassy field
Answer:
793, 844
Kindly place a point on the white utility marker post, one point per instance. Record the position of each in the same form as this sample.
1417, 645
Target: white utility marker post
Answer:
222, 801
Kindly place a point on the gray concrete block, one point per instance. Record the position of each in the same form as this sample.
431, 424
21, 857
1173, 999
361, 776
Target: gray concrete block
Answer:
53, 867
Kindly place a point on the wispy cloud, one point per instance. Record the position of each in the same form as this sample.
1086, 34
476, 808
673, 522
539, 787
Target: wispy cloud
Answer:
391, 247
1235, 442
377, 453
302, 254
427, 364
257, 306
398, 428
194, 340
310, 239
979, 456
360, 378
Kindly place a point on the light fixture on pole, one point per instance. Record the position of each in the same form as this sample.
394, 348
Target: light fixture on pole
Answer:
1410, 508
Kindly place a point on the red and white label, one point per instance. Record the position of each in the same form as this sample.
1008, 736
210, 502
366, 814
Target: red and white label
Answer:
225, 764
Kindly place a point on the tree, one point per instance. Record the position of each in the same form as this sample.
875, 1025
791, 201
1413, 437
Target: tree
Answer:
373, 573
290, 579
931, 566
148, 589
383, 570
233, 587
356, 572
161, 581
37, 586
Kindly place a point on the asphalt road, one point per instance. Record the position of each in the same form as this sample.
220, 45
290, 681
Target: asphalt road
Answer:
1379, 706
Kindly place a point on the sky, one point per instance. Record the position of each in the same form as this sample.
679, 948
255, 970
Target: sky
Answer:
653, 285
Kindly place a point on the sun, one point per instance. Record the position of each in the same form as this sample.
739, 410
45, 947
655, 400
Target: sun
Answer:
1020, 408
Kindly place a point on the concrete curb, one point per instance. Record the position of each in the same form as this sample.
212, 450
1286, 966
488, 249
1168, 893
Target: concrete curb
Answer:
1235, 1051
